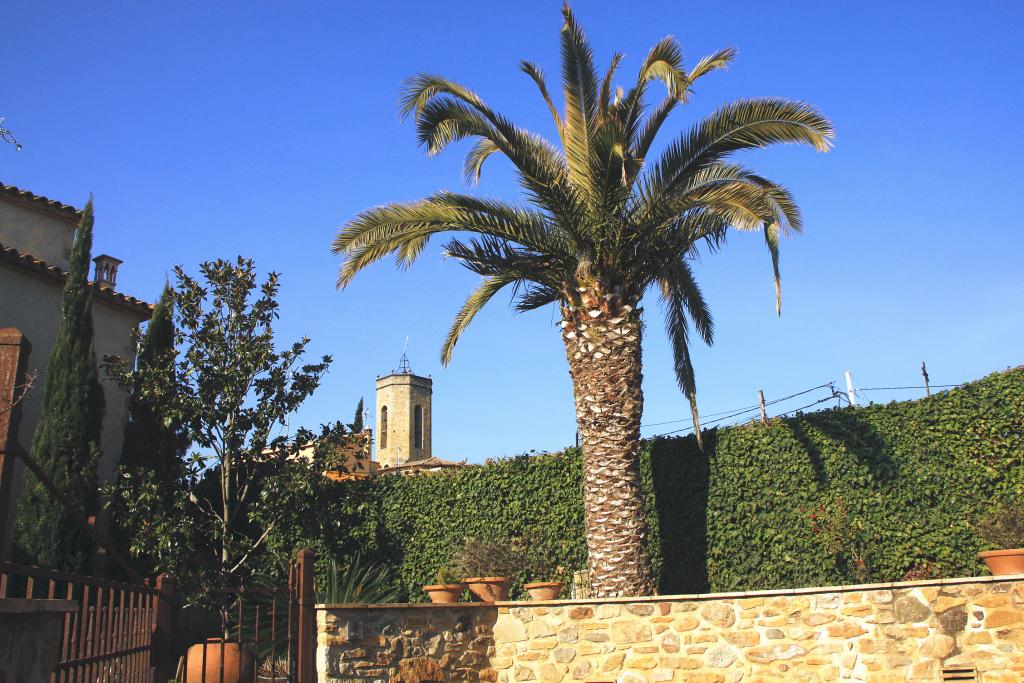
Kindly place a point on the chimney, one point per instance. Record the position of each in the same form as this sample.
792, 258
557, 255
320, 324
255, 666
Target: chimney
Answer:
106, 270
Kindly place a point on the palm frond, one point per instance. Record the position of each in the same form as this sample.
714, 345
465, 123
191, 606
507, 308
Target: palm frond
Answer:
677, 280
444, 120
446, 111
579, 82
712, 62
476, 301
420, 89
665, 63
744, 124
604, 100
493, 257
535, 296
535, 73
404, 229
471, 168
651, 126
783, 206
771, 238
678, 333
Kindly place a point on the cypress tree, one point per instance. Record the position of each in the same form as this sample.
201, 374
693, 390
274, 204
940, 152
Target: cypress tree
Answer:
357, 423
152, 462
66, 441
150, 442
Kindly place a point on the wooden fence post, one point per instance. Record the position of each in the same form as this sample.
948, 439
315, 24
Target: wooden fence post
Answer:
14, 351
306, 645
163, 642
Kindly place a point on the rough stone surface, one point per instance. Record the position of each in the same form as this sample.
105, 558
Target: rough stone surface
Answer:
419, 670
910, 609
893, 633
719, 657
952, 621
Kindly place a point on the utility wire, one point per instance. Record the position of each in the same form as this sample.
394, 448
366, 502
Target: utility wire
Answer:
796, 410
831, 385
738, 411
726, 414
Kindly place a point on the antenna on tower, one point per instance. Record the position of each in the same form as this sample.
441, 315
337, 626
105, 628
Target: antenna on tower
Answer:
403, 365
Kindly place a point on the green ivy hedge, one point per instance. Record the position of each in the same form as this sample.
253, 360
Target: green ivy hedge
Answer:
912, 475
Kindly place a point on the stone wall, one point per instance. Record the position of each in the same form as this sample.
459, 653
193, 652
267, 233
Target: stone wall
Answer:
879, 633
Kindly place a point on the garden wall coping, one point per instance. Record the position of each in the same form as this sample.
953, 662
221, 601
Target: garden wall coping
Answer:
811, 590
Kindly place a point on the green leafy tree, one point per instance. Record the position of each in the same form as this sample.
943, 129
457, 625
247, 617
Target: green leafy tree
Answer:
230, 390
605, 222
66, 441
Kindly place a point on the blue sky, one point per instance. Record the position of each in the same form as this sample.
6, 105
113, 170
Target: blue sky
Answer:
213, 129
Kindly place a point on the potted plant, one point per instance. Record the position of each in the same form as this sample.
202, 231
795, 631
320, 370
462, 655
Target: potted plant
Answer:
488, 566
543, 564
1003, 530
448, 587
544, 590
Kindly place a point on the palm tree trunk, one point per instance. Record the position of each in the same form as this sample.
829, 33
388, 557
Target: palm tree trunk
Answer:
602, 344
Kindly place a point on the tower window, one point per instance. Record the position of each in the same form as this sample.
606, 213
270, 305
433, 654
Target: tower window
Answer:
384, 427
417, 429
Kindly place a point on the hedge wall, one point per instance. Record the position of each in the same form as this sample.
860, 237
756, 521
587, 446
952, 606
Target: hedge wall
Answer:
912, 476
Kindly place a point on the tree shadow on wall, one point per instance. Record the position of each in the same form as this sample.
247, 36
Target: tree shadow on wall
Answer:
847, 429
681, 474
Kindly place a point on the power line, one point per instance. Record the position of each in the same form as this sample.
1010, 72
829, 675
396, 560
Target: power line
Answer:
830, 385
728, 414
835, 395
738, 411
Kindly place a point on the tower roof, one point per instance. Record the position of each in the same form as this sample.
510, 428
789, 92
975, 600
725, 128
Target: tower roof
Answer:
403, 369
403, 365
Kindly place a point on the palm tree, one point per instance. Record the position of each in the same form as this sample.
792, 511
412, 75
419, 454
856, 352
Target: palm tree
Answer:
601, 226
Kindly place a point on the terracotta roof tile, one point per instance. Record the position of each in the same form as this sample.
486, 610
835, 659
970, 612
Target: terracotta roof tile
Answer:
429, 463
30, 264
53, 204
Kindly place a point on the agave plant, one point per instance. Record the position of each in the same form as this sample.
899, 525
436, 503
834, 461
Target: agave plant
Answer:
360, 580
602, 224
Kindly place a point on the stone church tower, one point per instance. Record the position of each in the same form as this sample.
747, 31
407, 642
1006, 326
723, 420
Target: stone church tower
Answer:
403, 417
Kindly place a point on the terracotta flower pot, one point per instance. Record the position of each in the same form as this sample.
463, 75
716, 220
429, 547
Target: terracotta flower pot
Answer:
544, 590
1003, 562
448, 592
237, 662
488, 588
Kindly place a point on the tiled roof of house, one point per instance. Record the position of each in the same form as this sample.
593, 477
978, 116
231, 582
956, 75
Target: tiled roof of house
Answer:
30, 264
428, 464
39, 200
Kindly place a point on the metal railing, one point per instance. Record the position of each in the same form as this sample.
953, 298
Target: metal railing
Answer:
107, 638
258, 634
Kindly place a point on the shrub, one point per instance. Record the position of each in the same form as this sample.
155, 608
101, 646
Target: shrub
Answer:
478, 557
1003, 528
